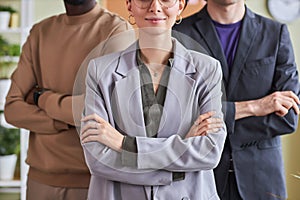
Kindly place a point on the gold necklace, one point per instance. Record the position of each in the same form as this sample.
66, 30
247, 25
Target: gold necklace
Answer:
155, 73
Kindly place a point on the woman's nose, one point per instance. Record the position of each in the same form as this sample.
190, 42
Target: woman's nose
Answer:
155, 6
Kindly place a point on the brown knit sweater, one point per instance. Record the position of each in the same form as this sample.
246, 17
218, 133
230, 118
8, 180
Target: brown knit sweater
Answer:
51, 58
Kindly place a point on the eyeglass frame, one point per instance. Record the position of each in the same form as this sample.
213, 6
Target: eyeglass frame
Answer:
162, 4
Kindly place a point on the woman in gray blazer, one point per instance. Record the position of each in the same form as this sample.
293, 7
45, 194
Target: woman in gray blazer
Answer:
141, 133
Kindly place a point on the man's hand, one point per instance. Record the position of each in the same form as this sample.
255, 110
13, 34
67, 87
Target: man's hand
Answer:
279, 102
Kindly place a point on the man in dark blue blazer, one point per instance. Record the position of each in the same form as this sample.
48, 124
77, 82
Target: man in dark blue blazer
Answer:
261, 90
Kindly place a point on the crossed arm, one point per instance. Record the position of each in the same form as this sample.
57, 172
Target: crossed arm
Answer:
279, 102
99, 130
104, 156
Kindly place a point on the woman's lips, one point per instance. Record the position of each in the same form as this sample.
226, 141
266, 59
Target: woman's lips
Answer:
155, 19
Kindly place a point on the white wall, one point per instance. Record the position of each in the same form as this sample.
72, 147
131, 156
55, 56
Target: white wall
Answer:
47, 8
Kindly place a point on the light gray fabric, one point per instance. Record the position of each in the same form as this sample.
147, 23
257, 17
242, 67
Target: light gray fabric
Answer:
113, 92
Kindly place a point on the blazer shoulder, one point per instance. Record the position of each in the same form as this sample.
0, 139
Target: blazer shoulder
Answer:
205, 64
107, 58
267, 22
191, 19
104, 63
199, 57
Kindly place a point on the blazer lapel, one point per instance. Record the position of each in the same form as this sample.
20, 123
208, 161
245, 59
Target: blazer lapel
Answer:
127, 96
209, 35
249, 30
179, 92
177, 99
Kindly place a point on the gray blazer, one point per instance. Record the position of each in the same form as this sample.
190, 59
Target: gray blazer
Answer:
113, 92
264, 63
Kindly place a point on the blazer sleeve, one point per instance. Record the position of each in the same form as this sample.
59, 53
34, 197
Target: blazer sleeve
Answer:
191, 154
285, 78
105, 162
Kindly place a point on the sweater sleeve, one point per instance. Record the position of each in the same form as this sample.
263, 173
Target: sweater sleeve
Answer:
61, 106
17, 111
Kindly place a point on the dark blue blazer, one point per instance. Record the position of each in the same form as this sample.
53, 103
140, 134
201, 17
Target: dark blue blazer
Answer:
264, 63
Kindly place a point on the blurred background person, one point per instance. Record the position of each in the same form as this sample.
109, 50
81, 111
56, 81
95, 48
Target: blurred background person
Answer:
40, 98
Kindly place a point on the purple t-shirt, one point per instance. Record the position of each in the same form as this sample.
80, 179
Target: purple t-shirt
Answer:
229, 36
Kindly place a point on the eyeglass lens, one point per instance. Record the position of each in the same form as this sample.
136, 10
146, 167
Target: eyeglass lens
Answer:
147, 3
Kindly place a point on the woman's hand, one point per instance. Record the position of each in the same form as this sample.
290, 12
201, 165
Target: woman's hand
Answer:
97, 129
204, 125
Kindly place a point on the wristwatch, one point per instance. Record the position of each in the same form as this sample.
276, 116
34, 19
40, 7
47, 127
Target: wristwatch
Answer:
37, 93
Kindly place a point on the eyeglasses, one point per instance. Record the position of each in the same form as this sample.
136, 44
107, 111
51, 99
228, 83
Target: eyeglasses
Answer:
143, 4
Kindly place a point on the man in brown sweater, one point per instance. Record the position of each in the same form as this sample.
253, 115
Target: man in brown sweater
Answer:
41, 96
